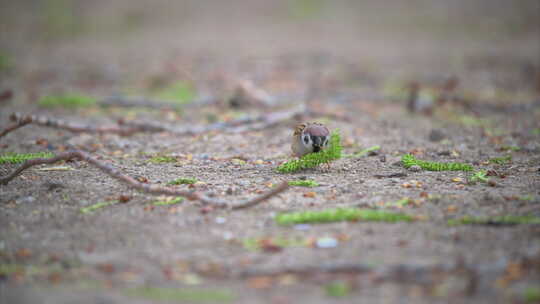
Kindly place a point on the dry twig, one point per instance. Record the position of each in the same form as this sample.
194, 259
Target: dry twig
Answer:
19, 123
148, 188
22, 120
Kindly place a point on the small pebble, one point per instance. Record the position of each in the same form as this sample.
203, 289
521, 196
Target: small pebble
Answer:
436, 135
326, 242
302, 227
415, 168
220, 220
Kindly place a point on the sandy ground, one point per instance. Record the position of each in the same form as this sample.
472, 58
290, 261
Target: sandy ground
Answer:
349, 60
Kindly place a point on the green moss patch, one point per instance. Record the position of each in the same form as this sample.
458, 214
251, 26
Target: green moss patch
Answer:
183, 181
198, 295
341, 214
303, 183
312, 160
97, 206
480, 176
408, 160
159, 159
179, 92
501, 160
16, 158
337, 289
496, 221
173, 201
67, 101
5, 62
532, 294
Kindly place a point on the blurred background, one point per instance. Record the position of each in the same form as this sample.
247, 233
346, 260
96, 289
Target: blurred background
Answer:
108, 47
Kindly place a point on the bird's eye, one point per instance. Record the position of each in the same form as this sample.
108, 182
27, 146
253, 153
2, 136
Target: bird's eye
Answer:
306, 139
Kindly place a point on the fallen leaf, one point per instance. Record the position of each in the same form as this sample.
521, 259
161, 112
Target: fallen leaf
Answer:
451, 208
309, 194
262, 282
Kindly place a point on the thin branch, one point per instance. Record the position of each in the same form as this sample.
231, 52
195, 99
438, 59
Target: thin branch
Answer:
257, 200
419, 274
19, 123
133, 183
72, 127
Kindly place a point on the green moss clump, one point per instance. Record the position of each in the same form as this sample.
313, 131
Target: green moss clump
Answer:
198, 295
97, 206
501, 160
337, 289
16, 158
180, 92
312, 160
532, 294
67, 101
408, 160
497, 220
303, 183
5, 62
159, 159
168, 202
341, 214
183, 181
480, 176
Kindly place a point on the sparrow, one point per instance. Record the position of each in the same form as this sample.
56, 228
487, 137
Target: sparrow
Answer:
309, 137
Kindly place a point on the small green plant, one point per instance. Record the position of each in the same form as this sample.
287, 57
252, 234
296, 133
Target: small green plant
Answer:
5, 62
97, 206
337, 289
198, 295
532, 294
312, 160
183, 181
510, 148
409, 160
180, 92
363, 152
497, 220
480, 176
501, 160
339, 215
16, 158
303, 183
159, 159
173, 201
67, 101
399, 203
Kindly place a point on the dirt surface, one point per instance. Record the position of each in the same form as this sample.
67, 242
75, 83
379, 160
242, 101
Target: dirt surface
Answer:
351, 63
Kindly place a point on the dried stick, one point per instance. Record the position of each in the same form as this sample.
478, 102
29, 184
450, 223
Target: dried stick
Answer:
77, 128
131, 182
19, 123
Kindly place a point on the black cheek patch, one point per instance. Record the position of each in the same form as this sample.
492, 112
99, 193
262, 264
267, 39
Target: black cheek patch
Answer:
306, 140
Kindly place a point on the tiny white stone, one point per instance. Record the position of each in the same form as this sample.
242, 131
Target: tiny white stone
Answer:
220, 220
326, 242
